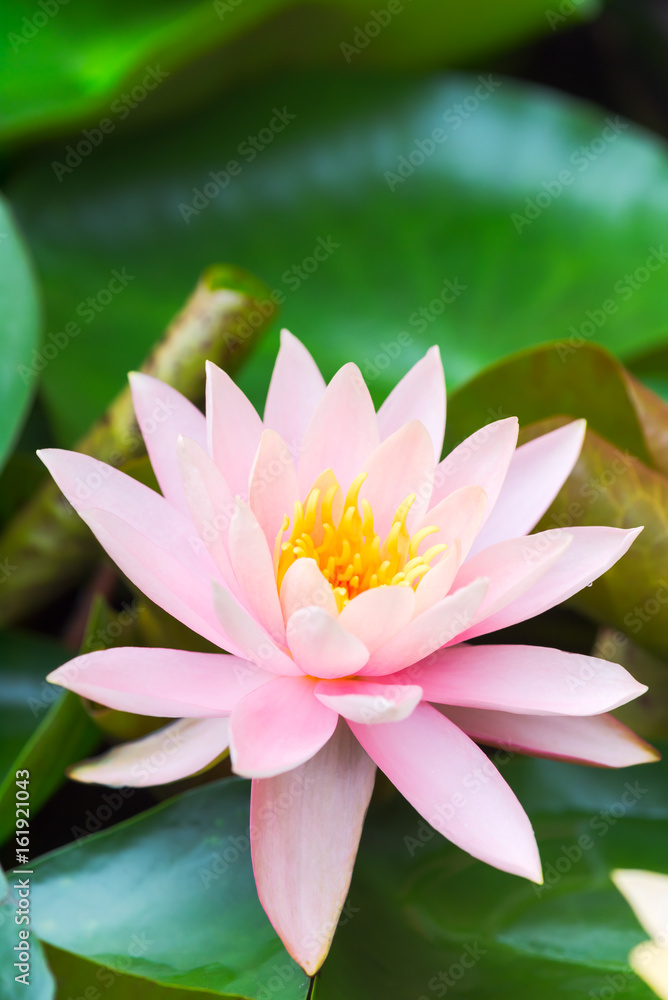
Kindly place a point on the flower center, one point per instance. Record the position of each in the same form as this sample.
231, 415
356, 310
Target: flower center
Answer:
345, 546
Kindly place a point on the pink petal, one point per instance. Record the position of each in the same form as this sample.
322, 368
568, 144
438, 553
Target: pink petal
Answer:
458, 516
481, 460
253, 567
89, 484
234, 429
374, 616
321, 646
273, 486
163, 414
401, 465
592, 552
169, 754
434, 628
249, 637
305, 828
162, 682
164, 579
210, 503
278, 728
513, 568
342, 432
455, 787
536, 473
420, 395
534, 680
294, 392
304, 586
596, 739
436, 584
367, 702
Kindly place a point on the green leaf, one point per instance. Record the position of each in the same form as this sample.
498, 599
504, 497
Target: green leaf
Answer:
169, 896
25, 660
542, 382
108, 49
19, 329
323, 186
65, 735
418, 905
425, 919
40, 984
43, 730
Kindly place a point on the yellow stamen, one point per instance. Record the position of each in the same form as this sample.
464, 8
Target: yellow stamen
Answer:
343, 542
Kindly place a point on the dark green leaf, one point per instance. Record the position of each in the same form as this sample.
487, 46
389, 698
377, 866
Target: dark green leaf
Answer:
65, 63
324, 178
19, 329
169, 896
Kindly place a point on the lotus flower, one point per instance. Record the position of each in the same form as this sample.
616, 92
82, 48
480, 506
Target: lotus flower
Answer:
344, 569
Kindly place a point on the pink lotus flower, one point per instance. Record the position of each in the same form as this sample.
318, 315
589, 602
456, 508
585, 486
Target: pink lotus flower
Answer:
343, 569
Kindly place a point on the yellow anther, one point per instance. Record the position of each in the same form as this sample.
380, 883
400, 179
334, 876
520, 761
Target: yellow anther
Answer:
350, 554
418, 538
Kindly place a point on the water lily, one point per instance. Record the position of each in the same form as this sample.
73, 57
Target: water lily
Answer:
647, 894
344, 569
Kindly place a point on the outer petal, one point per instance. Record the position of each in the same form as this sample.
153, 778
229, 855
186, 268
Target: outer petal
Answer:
455, 787
596, 739
165, 580
321, 646
249, 636
274, 730
513, 568
481, 460
536, 473
254, 569
342, 432
89, 484
420, 395
304, 586
532, 680
401, 465
211, 506
369, 702
294, 392
273, 485
305, 829
163, 414
161, 682
374, 616
178, 750
234, 429
438, 625
591, 553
